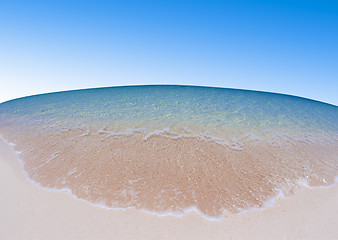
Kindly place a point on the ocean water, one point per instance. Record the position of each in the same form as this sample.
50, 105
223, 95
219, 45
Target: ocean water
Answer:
174, 149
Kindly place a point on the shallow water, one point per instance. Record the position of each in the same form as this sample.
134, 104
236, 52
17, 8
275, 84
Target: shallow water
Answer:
174, 148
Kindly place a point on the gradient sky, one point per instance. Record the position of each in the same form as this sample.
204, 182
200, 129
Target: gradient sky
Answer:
288, 46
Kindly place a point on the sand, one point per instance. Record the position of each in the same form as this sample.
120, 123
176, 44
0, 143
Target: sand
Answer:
28, 212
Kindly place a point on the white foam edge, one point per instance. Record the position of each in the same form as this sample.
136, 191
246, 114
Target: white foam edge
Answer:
234, 143
304, 182
161, 132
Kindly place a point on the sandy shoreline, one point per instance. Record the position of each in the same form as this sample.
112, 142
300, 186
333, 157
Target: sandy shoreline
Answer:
28, 212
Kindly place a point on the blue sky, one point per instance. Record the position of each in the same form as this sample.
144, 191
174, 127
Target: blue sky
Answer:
278, 46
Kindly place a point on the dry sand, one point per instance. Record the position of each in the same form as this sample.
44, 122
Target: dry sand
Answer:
28, 212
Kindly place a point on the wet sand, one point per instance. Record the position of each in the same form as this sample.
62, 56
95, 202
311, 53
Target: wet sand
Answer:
28, 212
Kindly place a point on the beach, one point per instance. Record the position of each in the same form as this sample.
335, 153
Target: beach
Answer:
29, 212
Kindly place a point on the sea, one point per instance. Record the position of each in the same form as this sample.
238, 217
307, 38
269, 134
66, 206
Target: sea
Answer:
171, 149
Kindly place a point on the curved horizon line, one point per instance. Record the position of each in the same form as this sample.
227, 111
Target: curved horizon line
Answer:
169, 85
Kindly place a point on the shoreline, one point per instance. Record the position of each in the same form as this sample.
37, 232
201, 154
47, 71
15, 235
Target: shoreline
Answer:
189, 210
29, 211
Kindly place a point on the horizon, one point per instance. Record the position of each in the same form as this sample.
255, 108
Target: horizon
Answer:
164, 85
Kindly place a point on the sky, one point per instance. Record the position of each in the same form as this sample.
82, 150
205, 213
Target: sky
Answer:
284, 46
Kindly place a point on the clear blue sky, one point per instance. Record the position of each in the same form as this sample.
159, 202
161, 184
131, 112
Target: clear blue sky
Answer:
288, 46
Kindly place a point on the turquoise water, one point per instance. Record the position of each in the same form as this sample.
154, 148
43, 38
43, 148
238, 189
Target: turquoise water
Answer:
202, 109
174, 104
247, 146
